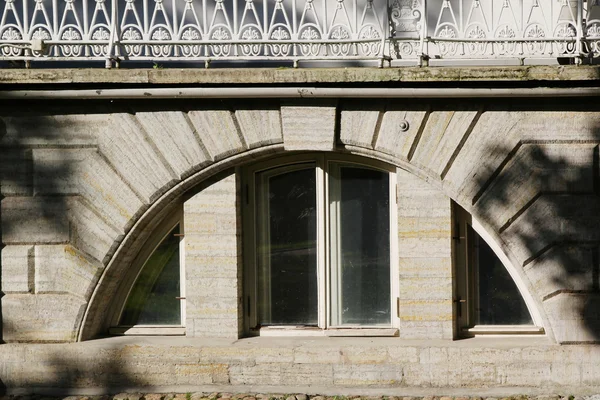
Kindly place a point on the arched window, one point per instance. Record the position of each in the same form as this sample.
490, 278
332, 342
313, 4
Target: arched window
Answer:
155, 304
318, 245
487, 297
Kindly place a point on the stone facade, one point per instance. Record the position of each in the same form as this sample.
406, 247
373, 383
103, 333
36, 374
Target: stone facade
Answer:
85, 185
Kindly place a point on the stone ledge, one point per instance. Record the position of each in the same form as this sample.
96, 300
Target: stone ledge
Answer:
299, 76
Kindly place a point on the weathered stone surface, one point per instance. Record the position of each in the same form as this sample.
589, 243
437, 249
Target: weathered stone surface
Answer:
563, 267
442, 135
213, 275
130, 150
17, 270
358, 125
34, 220
392, 139
550, 168
72, 130
218, 132
44, 317
308, 128
16, 172
260, 127
175, 139
63, 269
574, 316
90, 233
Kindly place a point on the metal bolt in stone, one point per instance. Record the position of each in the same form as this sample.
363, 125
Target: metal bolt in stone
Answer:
404, 125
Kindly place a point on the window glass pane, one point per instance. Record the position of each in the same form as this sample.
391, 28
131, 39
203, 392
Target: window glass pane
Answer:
153, 298
287, 247
360, 245
499, 300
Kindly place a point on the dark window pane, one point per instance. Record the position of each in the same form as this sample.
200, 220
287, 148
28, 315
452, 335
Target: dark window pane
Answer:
360, 245
287, 247
152, 300
500, 302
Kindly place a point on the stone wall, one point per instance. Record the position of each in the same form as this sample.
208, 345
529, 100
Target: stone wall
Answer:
84, 186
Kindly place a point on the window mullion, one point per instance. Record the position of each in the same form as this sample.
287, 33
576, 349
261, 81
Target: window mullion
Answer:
322, 244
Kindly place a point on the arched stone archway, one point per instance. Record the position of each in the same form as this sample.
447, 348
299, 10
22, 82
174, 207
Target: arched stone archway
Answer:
527, 174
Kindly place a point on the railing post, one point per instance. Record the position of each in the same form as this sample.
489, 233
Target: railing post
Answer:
110, 51
424, 57
580, 34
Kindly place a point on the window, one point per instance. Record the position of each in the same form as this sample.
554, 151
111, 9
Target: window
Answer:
487, 297
155, 304
318, 245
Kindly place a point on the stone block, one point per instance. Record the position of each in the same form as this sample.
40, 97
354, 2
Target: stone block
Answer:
482, 154
423, 329
41, 318
218, 132
574, 317
63, 269
441, 137
364, 355
440, 267
563, 267
55, 171
213, 278
175, 138
550, 168
400, 354
43, 130
358, 126
523, 373
260, 127
308, 128
553, 219
311, 355
367, 375
392, 139
425, 288
90, 233
16, 176
17, 268
275, 373
426, 247
129, 149
34, 220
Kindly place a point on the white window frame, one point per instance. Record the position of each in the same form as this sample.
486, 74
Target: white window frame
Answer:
324, 327
163, 230
466, 283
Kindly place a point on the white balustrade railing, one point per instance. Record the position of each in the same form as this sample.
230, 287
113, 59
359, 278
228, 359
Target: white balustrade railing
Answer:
396, 31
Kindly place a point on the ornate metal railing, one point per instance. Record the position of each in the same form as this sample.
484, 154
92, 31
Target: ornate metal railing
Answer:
394, 31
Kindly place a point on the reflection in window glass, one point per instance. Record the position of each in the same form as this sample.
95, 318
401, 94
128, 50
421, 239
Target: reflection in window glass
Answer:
287, 247
153, 298
499, 301
360, 245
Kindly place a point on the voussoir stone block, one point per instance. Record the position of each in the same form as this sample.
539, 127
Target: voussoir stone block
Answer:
61, 268
218, 132
131, 151
308, 128
441, 137
175, 139
394, 140
358, 126
260, 127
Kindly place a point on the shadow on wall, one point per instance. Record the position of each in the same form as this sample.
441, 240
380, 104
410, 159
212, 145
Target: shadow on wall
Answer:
543, 201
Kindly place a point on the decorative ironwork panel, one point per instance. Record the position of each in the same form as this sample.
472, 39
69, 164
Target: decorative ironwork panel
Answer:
296, 30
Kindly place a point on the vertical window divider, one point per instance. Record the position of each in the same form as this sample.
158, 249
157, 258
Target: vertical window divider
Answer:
323, 262
182, 277
394, 255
